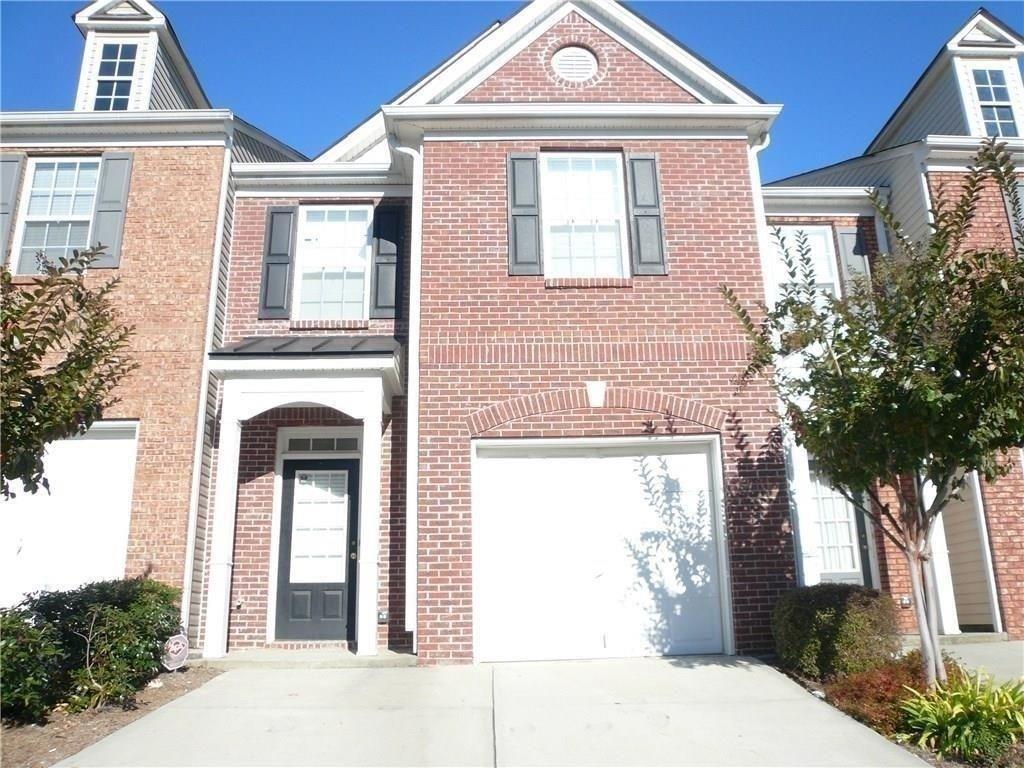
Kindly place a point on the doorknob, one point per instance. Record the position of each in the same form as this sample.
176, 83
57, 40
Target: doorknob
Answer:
352, 555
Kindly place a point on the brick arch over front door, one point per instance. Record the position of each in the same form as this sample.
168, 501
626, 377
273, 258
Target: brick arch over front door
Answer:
555, 400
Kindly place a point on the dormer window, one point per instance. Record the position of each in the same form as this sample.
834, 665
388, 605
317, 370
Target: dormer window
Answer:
114, 84
994, 99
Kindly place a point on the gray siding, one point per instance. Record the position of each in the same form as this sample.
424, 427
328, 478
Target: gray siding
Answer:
939, 112
169, 91
966, 561
902, 174
200, 566
247, 149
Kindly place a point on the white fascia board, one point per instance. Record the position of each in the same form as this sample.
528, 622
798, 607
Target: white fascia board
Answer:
143, 128
410, 122
253, 179
388, 367
821, 201
957, 152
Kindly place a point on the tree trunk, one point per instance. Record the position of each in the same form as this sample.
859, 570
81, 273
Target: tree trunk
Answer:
928, 650
932, 599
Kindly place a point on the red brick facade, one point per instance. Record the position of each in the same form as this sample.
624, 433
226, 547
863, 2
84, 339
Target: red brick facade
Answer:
621, 76
670, 336
170, 221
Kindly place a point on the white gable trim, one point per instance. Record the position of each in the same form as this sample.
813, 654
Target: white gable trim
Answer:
561, 13
984, 36
493, 48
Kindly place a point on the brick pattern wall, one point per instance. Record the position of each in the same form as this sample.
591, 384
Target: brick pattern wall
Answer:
251, 584
165, 272
1004, 499
621, 76
247, 240
498, 337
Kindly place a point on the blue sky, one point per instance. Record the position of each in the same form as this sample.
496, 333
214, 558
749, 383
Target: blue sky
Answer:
307, 72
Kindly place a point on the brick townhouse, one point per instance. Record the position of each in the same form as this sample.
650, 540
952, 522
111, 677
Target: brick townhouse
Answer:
463, 384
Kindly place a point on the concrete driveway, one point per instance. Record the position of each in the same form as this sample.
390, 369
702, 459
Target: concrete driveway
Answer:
686, 711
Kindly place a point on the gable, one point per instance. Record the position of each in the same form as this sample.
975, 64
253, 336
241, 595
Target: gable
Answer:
621, 76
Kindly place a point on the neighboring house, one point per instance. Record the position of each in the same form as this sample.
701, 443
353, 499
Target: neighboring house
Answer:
142, 166
971, 89
469, 387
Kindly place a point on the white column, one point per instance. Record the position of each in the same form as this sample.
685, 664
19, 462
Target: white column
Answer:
948, 622
804, 510
222, 538
369, 522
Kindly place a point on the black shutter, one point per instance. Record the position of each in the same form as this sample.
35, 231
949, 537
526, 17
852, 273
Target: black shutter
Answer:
524, 240
385, 292
646, 231
111, 204
10, 174
278, 255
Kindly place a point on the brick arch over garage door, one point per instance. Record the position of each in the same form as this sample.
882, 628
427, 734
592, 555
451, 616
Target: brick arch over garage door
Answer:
555, 400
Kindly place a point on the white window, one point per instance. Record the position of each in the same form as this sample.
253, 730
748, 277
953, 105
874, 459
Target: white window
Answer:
57, 206
114, 84
583, 214
822, 252
333, 260
994, 98
836, 523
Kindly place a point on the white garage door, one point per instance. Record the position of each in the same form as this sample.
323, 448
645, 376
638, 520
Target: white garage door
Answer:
79, 531
595, 552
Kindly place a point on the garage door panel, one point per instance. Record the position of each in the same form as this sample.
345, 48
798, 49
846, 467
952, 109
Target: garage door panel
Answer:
78, 531
594, 554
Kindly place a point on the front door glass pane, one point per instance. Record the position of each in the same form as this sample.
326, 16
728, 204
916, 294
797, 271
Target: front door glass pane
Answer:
319, 527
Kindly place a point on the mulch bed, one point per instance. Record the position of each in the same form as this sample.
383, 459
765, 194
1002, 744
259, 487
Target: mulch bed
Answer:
40, 746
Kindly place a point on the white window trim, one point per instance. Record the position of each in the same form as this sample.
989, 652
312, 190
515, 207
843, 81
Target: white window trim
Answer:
116, 78
625, 268
284, 434
142, 80
23, 199
297, 271
789, 232
1009, 97
969, 93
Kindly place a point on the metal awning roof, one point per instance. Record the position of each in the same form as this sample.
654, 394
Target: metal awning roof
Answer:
310, 346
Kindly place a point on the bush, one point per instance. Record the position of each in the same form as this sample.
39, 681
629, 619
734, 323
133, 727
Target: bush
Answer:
109, 636
834, 629
876, 696
30, 664
970, 718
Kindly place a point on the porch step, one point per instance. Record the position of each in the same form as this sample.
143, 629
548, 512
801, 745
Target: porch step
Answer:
306, 658
964, 638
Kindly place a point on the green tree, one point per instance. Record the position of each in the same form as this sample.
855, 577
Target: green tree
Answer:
911, 381
63, 355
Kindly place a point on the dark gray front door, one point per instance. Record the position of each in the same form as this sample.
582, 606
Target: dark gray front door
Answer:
316, 574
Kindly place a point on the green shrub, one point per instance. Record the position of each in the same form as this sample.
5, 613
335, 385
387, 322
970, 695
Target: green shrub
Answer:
834, 629
970, 718
109, 637
876, 696
30, 668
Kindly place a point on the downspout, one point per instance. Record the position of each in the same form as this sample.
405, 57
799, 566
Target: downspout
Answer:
797, 479
413, 396
204, 383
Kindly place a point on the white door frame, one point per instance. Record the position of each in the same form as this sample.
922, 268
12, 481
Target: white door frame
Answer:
713, 448
282, 454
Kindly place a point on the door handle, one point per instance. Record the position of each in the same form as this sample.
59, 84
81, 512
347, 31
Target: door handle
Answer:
352, 555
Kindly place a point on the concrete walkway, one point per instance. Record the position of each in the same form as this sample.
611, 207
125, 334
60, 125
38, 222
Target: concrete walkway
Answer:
688, 711
1003, 661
